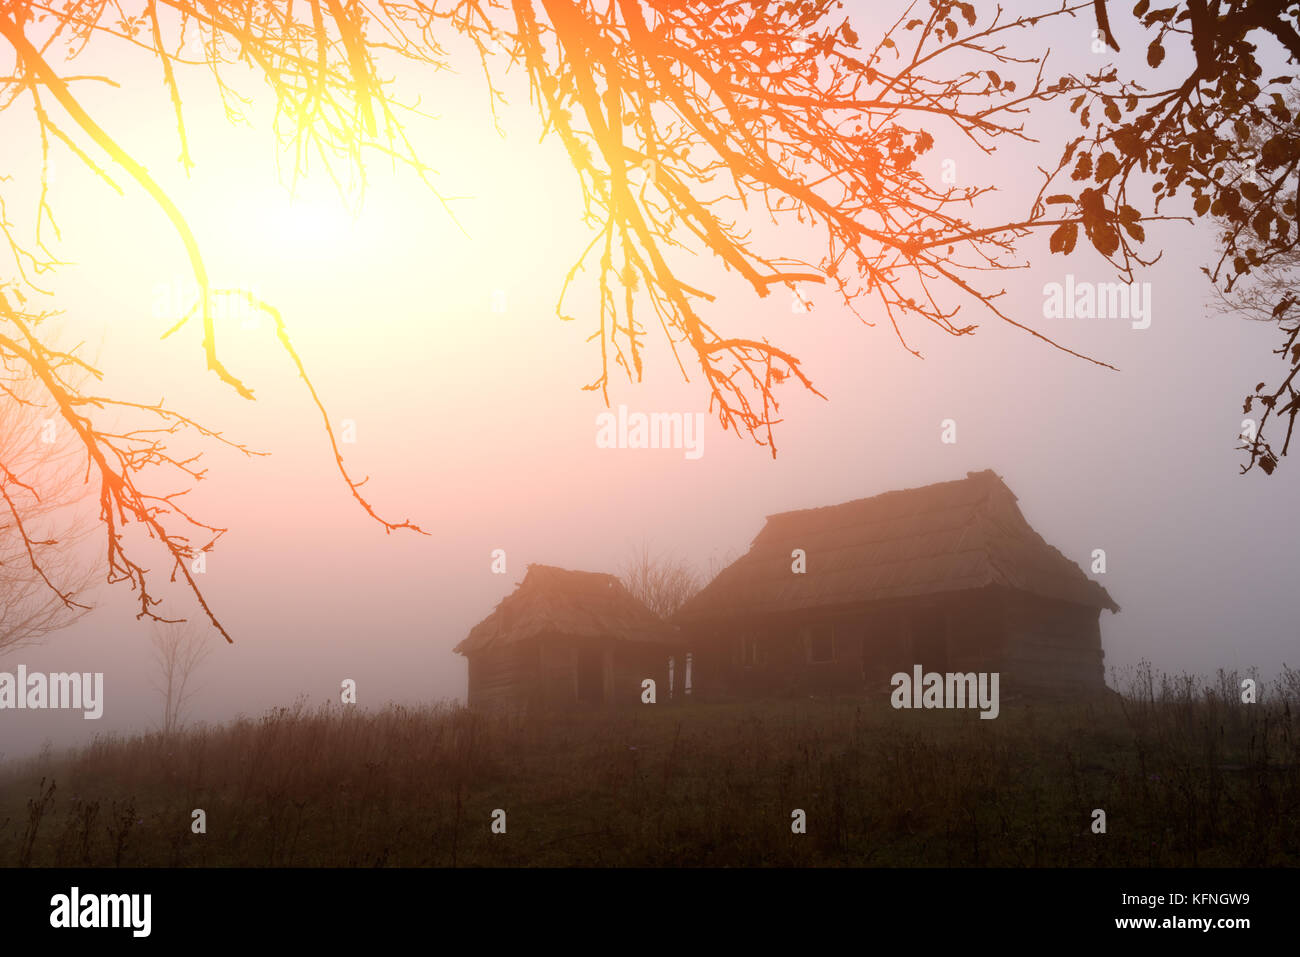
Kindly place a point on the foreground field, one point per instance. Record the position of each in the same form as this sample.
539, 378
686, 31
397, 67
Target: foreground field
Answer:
1186, 775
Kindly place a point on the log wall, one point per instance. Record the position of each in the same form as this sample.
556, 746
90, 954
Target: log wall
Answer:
544, 674
1052, 647
1035, 644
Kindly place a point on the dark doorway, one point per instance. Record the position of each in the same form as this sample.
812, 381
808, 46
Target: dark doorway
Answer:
591, 676
930, 639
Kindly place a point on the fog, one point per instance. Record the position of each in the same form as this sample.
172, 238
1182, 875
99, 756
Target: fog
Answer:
473, 422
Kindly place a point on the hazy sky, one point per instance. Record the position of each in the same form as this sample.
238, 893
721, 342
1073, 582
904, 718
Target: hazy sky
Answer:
473, 423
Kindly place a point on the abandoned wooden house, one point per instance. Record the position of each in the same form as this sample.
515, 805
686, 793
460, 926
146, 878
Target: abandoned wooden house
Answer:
948, 576
571, 639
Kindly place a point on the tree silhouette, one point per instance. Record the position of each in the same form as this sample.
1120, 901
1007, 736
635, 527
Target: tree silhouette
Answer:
178, 652
687, 123
41, 576
1267, 292
661, 582
1270, 295
1222, 135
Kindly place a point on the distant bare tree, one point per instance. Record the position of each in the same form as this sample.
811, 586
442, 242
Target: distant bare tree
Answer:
718, 562
179, 650
662, 583
41, 578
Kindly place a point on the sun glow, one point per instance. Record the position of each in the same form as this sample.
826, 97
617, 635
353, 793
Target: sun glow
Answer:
308, 223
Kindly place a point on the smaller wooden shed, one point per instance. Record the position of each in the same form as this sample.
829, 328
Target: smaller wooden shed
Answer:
567, 639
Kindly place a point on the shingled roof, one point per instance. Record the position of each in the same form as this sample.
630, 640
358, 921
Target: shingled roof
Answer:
558, 601
952, 536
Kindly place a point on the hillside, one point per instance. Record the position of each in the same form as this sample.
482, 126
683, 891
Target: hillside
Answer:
1185, 773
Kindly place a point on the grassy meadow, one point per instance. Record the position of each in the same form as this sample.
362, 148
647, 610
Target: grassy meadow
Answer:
1186, 773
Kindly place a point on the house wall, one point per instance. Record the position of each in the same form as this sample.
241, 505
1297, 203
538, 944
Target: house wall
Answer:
959, 633
558, 682
502, 679
800, 653
1052, 647
623, 666
634, 663
1036, 645
544, 674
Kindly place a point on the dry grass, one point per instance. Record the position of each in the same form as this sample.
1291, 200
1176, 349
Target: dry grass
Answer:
1187, 775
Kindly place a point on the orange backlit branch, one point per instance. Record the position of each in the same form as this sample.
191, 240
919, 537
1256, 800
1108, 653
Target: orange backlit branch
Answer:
683, 121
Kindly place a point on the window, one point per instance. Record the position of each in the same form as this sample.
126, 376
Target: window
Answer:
820, 640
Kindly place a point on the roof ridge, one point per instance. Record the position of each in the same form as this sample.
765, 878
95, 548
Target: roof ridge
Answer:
552, 599
972, 477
